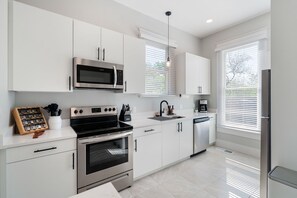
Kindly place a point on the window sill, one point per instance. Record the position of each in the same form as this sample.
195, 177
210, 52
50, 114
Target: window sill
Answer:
155, 95
252, 134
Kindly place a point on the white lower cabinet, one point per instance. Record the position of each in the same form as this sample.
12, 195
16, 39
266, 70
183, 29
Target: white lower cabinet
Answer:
170, 143
212, 129
147, 150
186, 139
44, 170
47, 177
177, 141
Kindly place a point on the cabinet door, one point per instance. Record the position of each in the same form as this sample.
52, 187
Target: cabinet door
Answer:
192, 74
41, 50
212, 130
147, 157
47, 177
204, 75
112, 46
170, 143
186, 139
86, 41
134, 65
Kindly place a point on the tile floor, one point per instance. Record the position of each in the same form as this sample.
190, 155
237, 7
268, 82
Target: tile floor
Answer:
214, 173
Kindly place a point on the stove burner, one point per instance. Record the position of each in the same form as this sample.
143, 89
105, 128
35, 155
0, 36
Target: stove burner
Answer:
92, 121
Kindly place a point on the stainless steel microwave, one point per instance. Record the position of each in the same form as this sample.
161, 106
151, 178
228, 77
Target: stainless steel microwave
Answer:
97, 74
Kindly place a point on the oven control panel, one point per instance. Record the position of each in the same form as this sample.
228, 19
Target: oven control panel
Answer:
93, 111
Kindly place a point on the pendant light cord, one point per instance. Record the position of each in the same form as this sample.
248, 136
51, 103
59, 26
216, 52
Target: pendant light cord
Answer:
168, 37
168, 13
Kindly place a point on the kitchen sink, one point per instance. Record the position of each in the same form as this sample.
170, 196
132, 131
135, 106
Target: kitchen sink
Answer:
163, 118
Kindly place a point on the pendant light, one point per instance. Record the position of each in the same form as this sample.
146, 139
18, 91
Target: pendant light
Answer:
168, 63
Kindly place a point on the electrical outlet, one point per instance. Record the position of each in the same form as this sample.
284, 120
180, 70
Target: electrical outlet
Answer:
133, 109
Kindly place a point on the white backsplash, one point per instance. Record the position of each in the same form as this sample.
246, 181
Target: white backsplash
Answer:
102, 97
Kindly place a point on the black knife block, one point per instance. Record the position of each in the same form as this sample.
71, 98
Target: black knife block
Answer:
124, 118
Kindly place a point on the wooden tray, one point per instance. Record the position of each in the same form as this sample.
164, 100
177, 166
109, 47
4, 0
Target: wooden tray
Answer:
29, 120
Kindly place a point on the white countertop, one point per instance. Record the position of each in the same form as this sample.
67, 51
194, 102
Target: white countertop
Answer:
48, 136
138, 120
104, 191
142, 120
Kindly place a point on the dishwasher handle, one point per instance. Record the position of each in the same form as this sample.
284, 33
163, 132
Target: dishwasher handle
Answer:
202, 119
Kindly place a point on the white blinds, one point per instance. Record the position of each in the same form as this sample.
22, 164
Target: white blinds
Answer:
239, 89
159, 79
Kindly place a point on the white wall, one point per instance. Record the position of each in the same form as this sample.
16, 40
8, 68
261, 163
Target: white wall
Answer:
111, 15
246, 143
100, 97
6, 98
284, 81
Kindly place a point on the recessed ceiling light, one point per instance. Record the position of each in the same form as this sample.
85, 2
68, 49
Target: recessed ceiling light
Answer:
209, 20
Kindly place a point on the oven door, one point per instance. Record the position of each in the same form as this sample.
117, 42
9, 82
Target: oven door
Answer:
95, 74
104, 156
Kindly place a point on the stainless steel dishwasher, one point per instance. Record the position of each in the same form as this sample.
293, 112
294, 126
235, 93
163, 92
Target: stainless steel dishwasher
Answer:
201, 134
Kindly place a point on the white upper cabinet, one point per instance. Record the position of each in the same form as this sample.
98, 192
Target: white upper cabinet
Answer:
40, 50
193, 74
134, 65
87, 40
112, 46
96, 43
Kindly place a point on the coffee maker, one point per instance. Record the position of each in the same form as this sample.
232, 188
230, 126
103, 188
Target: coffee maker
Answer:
202, 105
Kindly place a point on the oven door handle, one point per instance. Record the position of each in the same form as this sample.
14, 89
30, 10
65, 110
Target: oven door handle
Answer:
115, 76
104, 138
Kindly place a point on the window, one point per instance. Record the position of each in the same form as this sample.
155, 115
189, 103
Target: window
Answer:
239, 88
159, 79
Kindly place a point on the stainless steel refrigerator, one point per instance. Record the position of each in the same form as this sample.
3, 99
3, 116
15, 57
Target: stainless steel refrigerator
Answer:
265, 133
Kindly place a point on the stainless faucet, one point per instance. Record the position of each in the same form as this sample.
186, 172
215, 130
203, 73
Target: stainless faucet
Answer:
161, 106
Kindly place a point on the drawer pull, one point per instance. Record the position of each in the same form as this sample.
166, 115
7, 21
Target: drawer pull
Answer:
149, 130
47, 149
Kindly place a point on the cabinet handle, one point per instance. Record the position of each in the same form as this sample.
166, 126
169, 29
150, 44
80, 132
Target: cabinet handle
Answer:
125, 86
98, 53
103, 54
47, 149
73, 161
178, 127
149, 130
181, 127
69, 83
135, 141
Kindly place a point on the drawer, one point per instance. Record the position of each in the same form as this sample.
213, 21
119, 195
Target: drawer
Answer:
146, 130
38, 150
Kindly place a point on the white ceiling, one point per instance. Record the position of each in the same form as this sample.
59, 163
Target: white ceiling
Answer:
191, 15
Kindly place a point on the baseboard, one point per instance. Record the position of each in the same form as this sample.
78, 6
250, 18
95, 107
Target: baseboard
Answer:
239, 148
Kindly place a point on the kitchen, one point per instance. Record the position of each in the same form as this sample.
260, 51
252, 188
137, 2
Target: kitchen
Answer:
114, 17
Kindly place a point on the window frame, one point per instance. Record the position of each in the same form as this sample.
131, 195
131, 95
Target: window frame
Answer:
222, 90
169, 72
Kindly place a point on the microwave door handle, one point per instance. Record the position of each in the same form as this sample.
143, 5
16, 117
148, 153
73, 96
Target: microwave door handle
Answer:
115, 76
